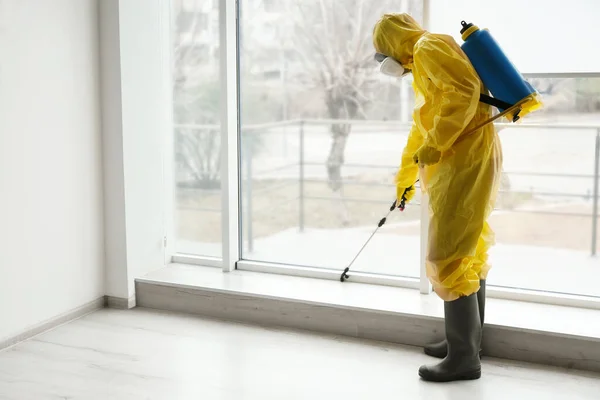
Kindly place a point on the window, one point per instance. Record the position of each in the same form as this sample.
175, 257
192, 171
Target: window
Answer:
316, 176
272, 5
191, 22
546, 219
321, 133
544, 222
196, 131
534, 44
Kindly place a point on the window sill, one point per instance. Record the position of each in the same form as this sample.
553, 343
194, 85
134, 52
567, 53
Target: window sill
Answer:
548, 334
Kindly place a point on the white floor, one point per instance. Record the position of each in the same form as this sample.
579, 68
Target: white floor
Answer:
143, 354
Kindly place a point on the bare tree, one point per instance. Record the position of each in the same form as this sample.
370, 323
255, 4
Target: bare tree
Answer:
333, 42
331, 45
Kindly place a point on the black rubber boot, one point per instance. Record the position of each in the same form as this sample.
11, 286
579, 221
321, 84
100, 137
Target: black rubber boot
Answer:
437, 350
440, 349
463, 334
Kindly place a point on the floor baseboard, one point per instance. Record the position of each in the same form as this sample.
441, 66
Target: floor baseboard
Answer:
54, 322
120, 303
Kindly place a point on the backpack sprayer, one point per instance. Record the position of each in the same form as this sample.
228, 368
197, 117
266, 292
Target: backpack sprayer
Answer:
512, 95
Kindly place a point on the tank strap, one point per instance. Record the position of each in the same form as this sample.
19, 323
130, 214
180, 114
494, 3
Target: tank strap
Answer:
492, 101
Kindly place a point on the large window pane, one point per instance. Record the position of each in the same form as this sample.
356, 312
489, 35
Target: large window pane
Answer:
316, 177
197, 130
544, 219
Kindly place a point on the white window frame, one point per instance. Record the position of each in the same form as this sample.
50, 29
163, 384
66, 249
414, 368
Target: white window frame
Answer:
231, 178
230, 133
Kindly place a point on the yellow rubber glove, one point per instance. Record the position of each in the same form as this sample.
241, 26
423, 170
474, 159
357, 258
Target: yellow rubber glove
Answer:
405, 194
427, 156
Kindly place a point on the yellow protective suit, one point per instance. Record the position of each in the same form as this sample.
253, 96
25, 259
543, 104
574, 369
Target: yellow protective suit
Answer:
459, 171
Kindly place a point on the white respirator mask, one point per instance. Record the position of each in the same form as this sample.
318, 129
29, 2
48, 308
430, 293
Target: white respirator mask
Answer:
390, 67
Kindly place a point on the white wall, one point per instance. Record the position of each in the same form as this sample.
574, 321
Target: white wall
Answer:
136, 109
145, 91
539, 36
51, 214
116, 274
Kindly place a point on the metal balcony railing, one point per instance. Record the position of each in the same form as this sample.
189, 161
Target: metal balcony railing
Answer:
250, 132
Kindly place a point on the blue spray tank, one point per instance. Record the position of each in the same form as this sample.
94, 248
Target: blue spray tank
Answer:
513, 95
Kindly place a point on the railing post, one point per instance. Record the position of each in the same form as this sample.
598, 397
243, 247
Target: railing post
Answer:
595, 200
249, 155
301, 178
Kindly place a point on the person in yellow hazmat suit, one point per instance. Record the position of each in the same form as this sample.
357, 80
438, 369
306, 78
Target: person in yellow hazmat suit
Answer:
460, 171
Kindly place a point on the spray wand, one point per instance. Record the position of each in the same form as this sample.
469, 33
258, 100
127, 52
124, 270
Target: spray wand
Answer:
401, 207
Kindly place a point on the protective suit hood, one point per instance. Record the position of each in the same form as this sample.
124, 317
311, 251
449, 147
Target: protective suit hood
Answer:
395, 35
